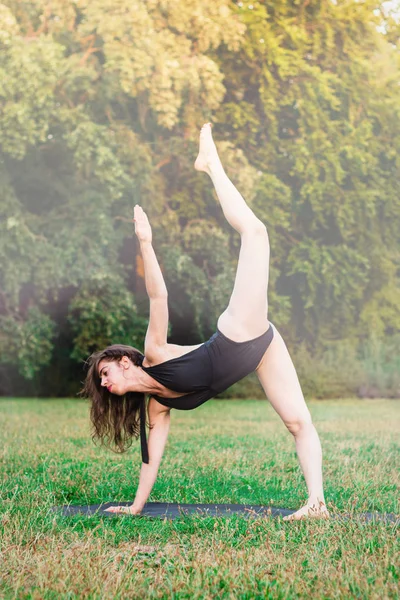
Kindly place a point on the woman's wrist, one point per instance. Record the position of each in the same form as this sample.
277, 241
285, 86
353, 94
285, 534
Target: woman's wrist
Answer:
137, 506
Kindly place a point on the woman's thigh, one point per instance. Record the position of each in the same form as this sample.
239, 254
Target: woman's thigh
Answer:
280, 382
246, 316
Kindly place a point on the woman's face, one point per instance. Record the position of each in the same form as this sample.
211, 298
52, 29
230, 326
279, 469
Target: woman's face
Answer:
114, 375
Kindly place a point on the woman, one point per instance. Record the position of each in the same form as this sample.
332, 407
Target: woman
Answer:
184, 377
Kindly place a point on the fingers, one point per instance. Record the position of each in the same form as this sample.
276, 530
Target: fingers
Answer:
139, 213
116, 509
121, 509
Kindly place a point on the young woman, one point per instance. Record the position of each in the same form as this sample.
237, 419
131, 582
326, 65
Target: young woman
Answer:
184, 377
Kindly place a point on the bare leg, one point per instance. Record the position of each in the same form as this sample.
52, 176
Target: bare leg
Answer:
279, 379
246, 315
238, 214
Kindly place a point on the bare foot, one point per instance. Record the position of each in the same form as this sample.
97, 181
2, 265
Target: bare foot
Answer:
310, 511
208, 154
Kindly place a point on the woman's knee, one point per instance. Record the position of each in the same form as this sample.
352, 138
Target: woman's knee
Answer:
300, 425
255, 227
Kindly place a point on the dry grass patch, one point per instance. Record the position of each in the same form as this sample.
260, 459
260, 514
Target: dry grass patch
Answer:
235, 452
318, 558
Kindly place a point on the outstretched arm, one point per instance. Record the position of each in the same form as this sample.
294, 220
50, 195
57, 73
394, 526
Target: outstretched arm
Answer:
155, 284
156, 443
159, 418
157, 330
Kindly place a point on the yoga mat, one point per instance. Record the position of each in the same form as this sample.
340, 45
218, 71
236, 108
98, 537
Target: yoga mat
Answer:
162, 510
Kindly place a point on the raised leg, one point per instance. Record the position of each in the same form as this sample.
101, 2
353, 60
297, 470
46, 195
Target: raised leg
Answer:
278, 377
247, 313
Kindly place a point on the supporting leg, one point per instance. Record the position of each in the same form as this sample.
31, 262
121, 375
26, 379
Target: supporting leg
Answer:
278, 377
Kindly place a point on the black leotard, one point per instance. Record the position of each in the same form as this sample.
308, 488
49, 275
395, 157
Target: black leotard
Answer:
205, 372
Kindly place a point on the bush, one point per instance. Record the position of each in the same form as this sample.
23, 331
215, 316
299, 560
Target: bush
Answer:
370, 371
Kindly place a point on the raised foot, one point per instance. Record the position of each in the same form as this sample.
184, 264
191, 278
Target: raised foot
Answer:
310, 511
208, 154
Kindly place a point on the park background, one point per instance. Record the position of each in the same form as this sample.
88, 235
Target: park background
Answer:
101, 102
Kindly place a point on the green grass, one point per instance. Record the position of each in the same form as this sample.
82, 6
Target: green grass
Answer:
225, 451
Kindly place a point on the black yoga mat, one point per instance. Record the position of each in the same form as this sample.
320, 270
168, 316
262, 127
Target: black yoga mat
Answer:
162, 510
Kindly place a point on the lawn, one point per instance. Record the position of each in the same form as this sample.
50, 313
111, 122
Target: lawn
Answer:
225, 451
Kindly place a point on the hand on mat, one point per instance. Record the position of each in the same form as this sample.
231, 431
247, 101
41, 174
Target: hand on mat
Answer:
130, 510
142, 225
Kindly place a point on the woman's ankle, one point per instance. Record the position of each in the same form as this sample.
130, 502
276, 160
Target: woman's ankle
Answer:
316, 500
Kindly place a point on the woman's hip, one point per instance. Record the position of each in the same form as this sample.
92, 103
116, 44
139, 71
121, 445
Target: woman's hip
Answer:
232, 360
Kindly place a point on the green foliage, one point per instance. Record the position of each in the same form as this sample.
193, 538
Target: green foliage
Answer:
381, 359
29, 71
27, 343
338, 369
320, 95
100, 106
104, 313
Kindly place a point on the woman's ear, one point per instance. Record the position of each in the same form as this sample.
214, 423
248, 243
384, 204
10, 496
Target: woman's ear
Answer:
125, 362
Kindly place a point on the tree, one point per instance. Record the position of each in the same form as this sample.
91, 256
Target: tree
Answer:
312, 96
100, 106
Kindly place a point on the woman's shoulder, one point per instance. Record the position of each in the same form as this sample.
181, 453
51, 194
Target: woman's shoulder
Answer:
154, 355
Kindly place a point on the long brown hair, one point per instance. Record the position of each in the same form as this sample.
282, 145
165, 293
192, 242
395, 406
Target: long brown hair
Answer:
115, 419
